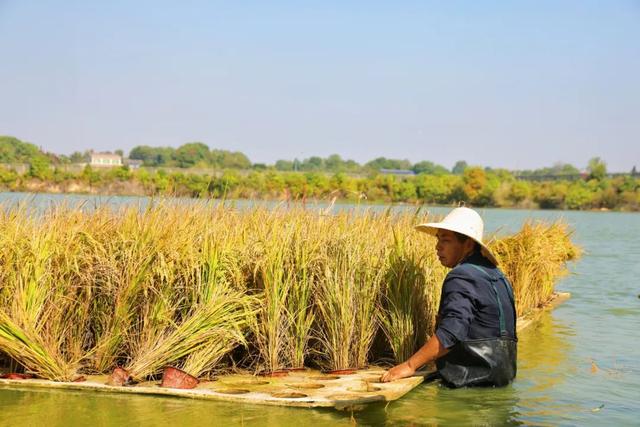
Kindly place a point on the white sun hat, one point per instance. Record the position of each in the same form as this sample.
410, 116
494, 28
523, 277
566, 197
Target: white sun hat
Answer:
464, 221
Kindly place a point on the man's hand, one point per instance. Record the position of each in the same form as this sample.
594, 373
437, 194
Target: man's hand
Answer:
402, 370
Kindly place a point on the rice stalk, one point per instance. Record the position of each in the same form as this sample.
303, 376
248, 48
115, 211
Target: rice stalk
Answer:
348, 293
45, 296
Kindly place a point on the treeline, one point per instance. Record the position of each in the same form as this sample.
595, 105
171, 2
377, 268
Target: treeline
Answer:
199, 155
474, 186
318, 178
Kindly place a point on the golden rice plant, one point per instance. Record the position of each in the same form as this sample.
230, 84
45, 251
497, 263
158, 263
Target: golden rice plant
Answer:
45, 291
533, 259
219, 273
285, 251
411, 292
172, 323
123, 251
187, 284
304, 263
348, 294
274, 280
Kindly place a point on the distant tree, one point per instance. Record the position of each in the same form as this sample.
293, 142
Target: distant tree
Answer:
558, 169
229, 160
39, 168
78, 157
459, 167
12, 150
119, 152
384, 163
429, 168
578, 196
334, 163
474, 181
564, 169
284, 165
633, 171
153, 156
352, 165
188, 155
314, 163
597, 168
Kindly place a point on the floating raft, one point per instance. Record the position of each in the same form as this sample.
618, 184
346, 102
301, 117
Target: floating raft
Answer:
308, 388
304, 388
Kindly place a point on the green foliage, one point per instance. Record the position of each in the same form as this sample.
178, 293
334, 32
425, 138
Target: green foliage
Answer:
578, 196
190, 154
12, 150
233, 176
459, 167
8, 177
558, 169
229, 160
597, 168
90, 175
153, 156
284, 165
39, 168
384, 163
78, 157
520, 191
430, 168
436, 189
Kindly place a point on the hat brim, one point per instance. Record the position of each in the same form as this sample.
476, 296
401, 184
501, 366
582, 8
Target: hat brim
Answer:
433, 227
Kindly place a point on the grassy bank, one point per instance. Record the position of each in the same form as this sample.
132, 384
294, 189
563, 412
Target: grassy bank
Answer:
207, 288
474, 186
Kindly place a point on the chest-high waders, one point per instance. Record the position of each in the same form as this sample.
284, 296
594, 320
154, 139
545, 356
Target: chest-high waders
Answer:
483, 362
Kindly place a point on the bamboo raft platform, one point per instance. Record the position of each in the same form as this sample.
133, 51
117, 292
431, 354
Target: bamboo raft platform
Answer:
305, 388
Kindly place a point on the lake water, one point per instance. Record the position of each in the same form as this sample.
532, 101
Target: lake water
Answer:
578, 365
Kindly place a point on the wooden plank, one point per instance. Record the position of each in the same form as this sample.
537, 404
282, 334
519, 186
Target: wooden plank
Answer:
307, 388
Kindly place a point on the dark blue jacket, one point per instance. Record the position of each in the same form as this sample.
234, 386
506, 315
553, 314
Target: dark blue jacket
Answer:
468, 306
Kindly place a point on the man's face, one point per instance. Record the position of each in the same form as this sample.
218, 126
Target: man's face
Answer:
451, 250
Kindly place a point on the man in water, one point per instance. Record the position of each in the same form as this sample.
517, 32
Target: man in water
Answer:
475, 339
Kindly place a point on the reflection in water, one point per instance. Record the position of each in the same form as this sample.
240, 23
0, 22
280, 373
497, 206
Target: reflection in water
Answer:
542, 365
64, 408
434, 404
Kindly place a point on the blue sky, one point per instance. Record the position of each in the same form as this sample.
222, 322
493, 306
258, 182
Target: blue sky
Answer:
504, 84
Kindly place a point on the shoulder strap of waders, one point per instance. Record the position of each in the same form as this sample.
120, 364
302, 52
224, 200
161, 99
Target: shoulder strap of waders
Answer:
493, 280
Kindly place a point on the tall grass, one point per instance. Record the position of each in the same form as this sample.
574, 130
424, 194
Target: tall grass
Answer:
87, 290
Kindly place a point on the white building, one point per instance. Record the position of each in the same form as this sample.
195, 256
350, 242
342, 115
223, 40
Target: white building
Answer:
105, 159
